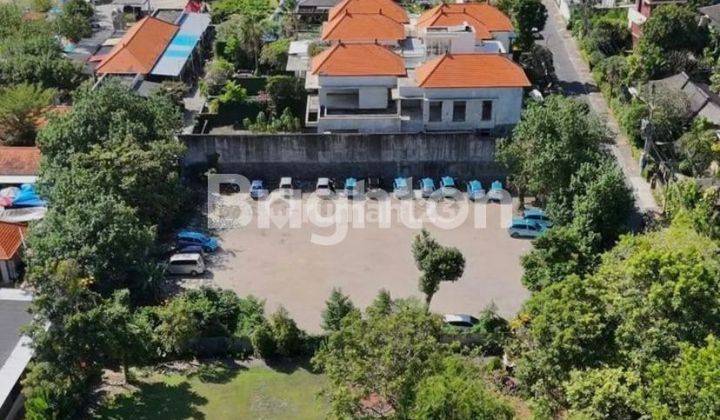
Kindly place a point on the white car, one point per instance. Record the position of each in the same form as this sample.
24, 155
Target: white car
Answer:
192, 264
286, 187
460, 320
324, 188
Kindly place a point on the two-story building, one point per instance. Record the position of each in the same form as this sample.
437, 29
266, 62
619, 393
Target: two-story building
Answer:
640, 11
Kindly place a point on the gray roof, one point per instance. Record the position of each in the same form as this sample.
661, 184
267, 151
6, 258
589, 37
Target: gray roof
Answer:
703, 102
712, 12
192, 28
13, 315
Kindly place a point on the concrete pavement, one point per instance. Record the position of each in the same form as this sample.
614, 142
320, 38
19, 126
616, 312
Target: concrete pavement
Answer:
576, 79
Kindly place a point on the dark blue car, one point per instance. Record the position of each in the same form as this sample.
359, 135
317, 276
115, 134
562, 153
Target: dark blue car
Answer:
190, 238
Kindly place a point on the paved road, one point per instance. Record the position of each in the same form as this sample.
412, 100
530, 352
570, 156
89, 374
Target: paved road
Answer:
576, 80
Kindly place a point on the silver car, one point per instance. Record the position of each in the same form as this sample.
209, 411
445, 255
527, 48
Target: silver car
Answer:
286, 187
192, 264
324, 188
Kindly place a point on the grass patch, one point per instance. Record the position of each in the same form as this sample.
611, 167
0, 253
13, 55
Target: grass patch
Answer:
218, 392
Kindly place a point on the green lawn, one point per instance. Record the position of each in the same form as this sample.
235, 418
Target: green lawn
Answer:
257, 392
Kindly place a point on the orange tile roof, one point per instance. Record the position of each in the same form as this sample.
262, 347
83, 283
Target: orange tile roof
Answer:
139, 48
365, 27
19, 160
50, 111
387, 7
482, 16
11, 238
475, 70
358, 60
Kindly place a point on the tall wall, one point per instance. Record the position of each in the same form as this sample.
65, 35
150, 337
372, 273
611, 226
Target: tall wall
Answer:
309, 156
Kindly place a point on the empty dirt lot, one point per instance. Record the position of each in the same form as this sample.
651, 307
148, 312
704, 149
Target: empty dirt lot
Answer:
283, 266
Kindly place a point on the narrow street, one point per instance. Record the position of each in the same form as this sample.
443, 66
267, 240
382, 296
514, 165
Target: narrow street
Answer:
576, 80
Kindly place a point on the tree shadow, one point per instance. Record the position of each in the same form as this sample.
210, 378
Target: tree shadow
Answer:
218, 371
156, 400
290, 365
577, 88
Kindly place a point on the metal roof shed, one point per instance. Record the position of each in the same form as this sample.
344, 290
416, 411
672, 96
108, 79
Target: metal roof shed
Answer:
192, 28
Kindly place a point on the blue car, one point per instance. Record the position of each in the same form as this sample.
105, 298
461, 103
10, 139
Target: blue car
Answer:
427, 187
496, 191
447, 187
537, 215
189, 237
475, 190
401, 189
257, 190
351, 190
524, 228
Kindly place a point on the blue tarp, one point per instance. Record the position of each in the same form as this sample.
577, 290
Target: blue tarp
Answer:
27, 197
192, 28
496, 185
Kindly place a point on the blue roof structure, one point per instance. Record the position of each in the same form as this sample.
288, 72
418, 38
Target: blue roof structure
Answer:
448, 181
400, 183
173, 59
475, 185
350, 183
496, 185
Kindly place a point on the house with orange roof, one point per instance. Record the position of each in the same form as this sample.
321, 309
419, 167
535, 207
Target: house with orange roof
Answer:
465, 27
377, 27
19, 164
386, 7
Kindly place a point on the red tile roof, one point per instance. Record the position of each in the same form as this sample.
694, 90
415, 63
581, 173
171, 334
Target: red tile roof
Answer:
11, 238
19, 160
387, 7
483, 17
139, 49
367, 27
475, 70
358, 60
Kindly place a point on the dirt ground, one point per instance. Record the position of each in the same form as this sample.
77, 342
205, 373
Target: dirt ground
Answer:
285, 265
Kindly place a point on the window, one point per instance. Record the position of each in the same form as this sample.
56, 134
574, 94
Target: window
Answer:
459, 111
435, 111
487, 110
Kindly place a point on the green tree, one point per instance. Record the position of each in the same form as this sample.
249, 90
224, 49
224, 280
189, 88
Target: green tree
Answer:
538, 64
255, 9
383, 357
688, 386
37, 59
287, 336
697, 148
274, 55
74, 22
687, 199
436, 264
549, 144
606, 393
243, 37
457, 392
675, 27
529, 16
217, 73
492, 331
608, 36
20, 108
286, 92
336, 308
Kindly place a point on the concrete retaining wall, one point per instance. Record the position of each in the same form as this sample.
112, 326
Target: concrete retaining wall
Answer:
308, 156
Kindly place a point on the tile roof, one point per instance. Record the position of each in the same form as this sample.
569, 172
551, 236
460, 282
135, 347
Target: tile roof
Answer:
481, 16
474, 70
139, 49
358, 60
19, 160
388, 7
366, 27
11, 238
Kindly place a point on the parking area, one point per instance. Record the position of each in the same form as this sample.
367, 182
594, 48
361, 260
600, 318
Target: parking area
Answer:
357, 249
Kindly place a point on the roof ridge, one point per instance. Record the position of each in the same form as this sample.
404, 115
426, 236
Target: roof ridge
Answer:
330, 52
124, 43
434, 67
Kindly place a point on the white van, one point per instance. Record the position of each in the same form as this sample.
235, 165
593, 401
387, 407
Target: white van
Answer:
192, 264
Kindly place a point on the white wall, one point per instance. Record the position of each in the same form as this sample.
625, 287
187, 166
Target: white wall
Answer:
369, 124
506, 108
372, 92
505, 38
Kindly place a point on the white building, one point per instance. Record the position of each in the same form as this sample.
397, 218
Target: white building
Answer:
366, 88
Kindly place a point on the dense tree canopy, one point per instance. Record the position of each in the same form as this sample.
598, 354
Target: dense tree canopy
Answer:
21, 107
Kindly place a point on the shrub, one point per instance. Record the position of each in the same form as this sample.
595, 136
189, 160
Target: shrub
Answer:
287, 336
492, 330
263, 341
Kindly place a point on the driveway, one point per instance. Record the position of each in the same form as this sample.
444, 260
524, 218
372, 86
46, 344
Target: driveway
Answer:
285, 267
576, 80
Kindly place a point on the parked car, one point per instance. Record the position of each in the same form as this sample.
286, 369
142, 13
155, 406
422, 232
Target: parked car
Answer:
191, 249
525, 228
192, 264
401, 189
537, 215
475, 190
373, 188
448, 188
286, 187
460, 320
324, 188
351, 189
427, 187
496, 191
189, 237
257, 190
